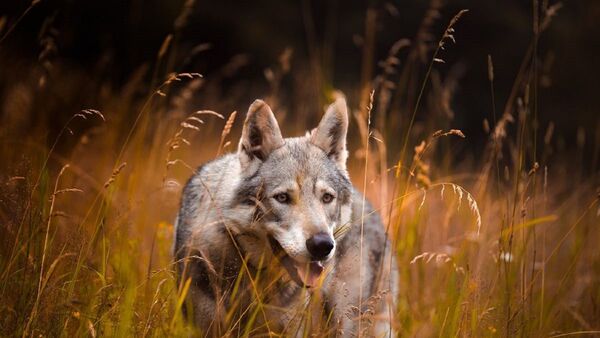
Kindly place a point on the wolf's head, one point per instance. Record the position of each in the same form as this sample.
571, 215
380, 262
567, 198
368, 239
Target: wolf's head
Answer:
299, 188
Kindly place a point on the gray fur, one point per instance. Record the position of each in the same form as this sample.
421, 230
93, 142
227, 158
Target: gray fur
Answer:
229, 215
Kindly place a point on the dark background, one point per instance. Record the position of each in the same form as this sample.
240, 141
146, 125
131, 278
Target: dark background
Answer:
122, 35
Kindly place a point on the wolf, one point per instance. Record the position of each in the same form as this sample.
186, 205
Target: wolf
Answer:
276, 238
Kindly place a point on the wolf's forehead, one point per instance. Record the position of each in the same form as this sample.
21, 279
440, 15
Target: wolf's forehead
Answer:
300, 155
298, 159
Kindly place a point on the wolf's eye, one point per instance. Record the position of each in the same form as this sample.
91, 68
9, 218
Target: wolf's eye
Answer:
327, 198
282, 197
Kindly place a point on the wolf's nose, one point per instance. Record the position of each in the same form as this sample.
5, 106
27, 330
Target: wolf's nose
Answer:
320, 245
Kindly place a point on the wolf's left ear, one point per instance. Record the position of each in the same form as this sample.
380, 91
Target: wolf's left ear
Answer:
330, 135
260, 135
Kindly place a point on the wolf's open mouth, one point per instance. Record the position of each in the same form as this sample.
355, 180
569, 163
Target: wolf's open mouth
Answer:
305, 274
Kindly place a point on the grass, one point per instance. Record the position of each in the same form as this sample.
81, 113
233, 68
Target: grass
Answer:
499, 245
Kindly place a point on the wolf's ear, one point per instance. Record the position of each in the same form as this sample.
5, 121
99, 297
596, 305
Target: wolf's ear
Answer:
330, 135
260, 135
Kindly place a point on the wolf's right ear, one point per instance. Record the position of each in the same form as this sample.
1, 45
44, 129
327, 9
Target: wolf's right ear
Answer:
260, 135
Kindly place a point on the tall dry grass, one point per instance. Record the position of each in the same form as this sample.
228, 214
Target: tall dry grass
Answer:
502, 244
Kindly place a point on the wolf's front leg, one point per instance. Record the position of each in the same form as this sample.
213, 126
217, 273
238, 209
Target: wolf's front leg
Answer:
200, 308
204, 312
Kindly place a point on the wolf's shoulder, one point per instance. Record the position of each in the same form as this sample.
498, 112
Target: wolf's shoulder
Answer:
368, 216
207, 174
212, 180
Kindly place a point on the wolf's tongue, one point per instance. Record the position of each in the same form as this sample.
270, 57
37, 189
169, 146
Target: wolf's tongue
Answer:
310, 273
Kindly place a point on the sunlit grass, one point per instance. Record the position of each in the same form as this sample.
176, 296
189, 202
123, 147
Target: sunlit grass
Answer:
502, 244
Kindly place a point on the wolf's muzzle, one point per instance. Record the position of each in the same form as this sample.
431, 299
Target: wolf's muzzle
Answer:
320, 245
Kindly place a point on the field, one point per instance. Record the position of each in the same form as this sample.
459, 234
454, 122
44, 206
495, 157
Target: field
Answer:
495, 234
